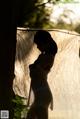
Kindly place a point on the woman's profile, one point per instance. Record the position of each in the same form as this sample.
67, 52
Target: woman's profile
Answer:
38, 73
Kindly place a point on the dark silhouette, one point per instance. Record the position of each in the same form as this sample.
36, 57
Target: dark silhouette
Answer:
7, 55
38, 73
9, 19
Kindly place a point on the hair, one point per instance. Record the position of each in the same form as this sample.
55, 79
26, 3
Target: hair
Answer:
44, 37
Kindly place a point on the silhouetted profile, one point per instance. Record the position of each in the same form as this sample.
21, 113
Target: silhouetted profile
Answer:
38, 73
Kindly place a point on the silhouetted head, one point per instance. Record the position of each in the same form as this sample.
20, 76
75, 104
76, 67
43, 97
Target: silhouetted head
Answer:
45, 43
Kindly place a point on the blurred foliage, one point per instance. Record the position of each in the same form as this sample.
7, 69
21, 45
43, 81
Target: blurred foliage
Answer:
20, 109
67, 1
35, 14
77, 29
